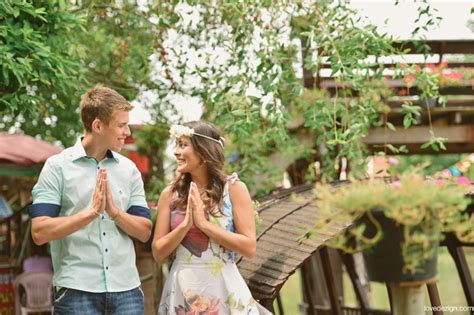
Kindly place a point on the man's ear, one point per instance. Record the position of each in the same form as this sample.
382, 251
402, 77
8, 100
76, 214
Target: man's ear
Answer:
96, 125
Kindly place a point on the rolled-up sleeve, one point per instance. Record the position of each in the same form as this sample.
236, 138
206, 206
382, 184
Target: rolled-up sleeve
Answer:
47, 192
137, 203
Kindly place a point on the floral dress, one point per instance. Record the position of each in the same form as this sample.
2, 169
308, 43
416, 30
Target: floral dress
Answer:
204, 279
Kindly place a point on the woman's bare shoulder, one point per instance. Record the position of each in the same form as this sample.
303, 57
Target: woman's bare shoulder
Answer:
167, 193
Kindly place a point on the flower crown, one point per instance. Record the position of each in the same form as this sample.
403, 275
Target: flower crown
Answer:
177, 131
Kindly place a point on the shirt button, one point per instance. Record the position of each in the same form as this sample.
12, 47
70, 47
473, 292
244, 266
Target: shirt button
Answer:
104, 233
106, 268
106, 250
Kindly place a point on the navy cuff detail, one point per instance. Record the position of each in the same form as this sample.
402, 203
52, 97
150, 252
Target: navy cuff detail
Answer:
43, 209
139, 211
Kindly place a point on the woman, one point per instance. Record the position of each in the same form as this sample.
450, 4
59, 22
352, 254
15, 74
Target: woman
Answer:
204, 217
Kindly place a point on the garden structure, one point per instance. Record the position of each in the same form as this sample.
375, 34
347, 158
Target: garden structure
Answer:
21, 159
286, 215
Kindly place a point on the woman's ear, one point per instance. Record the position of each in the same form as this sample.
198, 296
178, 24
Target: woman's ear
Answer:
96, 125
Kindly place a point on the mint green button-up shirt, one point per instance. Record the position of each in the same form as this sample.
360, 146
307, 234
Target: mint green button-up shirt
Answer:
100, 257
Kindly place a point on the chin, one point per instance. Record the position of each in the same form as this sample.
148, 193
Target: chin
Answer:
182, 170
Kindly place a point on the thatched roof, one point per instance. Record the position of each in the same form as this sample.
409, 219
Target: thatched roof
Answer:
286, 217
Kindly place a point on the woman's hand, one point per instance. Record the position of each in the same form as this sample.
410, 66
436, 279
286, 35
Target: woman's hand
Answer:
197, 205
188, 218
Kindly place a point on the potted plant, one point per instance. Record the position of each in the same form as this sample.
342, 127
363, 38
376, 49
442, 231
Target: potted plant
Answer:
411, 212
397, 224
430, 78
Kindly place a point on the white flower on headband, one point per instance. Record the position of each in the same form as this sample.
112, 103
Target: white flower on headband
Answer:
177, 131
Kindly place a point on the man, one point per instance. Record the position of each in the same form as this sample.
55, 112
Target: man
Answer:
89, 202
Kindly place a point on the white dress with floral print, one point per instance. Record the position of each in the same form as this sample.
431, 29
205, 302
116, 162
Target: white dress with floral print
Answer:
204, 278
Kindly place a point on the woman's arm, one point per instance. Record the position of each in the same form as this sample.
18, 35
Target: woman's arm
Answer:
165, 240
243, 241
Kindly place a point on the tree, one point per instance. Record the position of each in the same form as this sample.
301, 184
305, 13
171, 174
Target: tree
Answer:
38, 63
252, 58
54, 50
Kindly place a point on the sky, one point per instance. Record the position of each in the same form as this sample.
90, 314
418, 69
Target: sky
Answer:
395, 20
455, 14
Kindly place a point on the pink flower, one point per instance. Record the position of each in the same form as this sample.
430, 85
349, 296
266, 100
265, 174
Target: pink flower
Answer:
463, 180
393, 160
396, 184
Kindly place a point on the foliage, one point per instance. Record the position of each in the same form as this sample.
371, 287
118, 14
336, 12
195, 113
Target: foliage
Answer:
424, 209
151, 141
244, 62
55, 50
247, 58
116, 44
430, 164
38, 63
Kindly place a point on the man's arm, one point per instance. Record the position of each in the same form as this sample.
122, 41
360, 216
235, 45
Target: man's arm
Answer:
46, 227
136, 226
136, 221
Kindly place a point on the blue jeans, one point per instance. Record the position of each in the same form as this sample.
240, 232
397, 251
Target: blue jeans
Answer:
74, 302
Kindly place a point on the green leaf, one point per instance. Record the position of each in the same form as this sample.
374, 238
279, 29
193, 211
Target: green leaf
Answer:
407, 121
425, 145
390, 126
239, 112
392, 148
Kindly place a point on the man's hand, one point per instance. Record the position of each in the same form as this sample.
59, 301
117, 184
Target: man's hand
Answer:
110, 207
99, 197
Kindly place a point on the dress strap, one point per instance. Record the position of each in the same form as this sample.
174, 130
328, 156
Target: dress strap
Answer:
232, 179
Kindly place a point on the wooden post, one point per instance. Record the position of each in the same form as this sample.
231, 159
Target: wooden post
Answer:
407, 299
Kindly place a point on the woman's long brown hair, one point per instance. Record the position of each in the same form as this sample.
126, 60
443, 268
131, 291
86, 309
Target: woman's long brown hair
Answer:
213, 155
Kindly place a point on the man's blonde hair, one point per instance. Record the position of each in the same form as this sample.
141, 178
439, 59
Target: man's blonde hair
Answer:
101, 102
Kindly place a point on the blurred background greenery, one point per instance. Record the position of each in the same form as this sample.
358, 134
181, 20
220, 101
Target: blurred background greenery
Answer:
449, 287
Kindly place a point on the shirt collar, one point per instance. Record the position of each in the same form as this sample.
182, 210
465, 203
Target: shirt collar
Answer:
78, 151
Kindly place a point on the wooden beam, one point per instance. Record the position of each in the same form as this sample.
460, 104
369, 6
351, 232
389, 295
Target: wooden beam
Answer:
419, 135
459, 104
463, 88
393, 83
451, 64
443, 46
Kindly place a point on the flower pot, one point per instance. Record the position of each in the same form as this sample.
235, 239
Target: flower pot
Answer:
427, 103
384, 261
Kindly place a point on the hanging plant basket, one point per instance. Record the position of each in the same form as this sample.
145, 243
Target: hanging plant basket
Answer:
385, 262
397, 224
